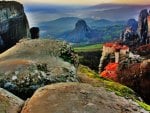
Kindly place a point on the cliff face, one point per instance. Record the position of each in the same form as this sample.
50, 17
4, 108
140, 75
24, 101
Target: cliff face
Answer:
143, 26
13, 24
130, 35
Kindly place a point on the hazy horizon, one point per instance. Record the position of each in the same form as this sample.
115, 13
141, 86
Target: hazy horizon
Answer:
84, 2
38, 13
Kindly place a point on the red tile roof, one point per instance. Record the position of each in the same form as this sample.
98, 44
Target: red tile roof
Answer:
116, 46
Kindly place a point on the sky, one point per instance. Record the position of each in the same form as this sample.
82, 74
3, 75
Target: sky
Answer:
85, 2
38, 17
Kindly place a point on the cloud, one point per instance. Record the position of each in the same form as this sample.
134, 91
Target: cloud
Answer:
86, 2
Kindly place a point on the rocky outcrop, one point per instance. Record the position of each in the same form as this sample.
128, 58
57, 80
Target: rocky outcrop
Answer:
130, 35
23, 69
34, 31
134, 37
81, 25
9, 103
133, 24
143, 26
13, 24
78, 98
81, 33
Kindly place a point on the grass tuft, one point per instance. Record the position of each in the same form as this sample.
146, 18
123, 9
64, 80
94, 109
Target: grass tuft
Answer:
112, 86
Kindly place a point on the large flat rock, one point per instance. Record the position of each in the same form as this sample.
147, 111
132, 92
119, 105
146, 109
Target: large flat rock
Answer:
78, 98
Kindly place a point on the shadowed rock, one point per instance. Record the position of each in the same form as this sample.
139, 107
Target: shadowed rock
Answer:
143, 26
34, 31
136, 76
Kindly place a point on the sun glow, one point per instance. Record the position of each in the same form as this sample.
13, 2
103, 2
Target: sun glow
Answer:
86, 2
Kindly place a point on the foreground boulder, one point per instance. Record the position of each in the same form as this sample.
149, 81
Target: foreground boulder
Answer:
9, 103
78, 98
23, 70
13, 24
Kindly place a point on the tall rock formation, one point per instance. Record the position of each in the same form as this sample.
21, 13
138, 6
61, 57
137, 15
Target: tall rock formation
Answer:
130, 36
81, 33
34, 31
13, 24
143, 26
133, 24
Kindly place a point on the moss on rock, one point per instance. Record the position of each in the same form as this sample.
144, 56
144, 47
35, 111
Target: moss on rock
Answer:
86, 75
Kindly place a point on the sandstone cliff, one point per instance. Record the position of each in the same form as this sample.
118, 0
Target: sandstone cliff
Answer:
13, 24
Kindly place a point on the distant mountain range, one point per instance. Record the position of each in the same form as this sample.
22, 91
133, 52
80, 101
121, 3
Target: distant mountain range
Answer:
115, 12
86, 30
59, 26
106, 21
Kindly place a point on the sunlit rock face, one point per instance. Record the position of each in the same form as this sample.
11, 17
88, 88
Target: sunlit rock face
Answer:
13, 24
78, 98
